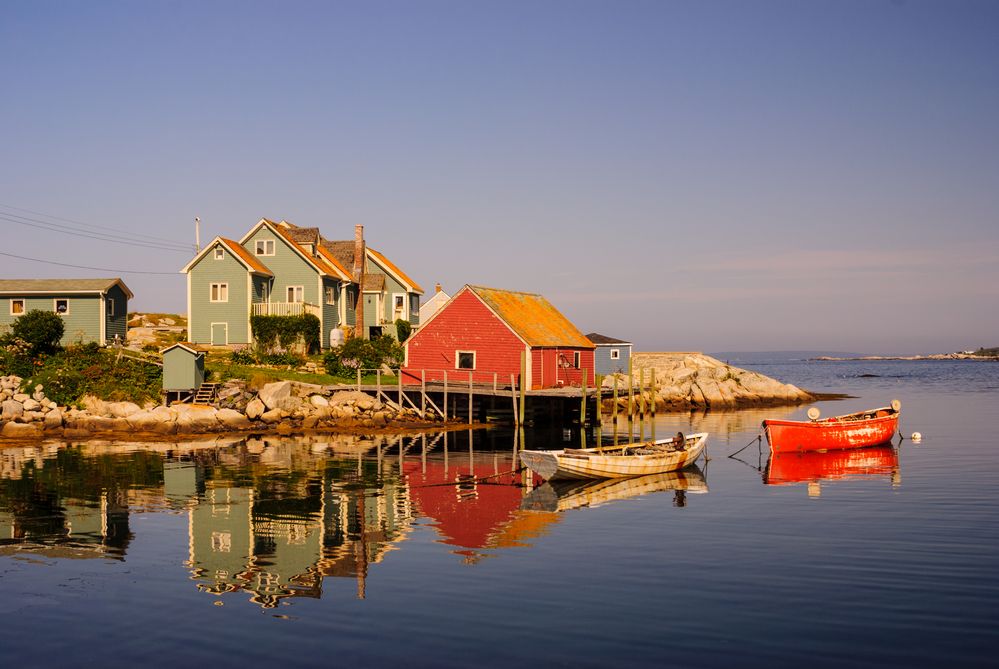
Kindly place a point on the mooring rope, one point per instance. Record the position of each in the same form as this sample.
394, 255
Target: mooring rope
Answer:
475, 479
757, 438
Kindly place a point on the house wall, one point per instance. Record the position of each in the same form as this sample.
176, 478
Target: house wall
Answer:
182, 370
331, 312
386, 314
204, 312
605, 365
289, 268
550, 370
82, 323
465, 324
118, 323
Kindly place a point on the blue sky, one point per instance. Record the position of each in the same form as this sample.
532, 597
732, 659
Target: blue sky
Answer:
688, 175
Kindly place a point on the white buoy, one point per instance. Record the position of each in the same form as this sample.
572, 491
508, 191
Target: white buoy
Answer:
916, 436
814, 413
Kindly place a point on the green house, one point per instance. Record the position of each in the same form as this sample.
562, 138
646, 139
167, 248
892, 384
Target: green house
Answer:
93, 310
280, 269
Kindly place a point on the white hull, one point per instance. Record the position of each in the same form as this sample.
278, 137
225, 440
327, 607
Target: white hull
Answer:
609, 463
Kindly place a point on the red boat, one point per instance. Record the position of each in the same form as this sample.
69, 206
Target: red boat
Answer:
855, 430
812, 466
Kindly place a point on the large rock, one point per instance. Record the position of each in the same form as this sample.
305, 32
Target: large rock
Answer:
11, 410
272, 416
122, 409
319, 401
53, 419
20, 431
31, 404
255, 409
196, 418
276, 395
233, 420
95, 406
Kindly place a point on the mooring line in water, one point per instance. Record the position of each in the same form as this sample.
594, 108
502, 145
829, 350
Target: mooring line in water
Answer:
757, 438
474, 479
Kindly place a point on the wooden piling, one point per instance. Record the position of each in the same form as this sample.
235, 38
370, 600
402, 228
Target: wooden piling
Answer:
523, 389
582, 401
469, 398
444, 405
513, 398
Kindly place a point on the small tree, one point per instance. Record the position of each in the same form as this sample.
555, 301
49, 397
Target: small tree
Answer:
403, 329
41, 329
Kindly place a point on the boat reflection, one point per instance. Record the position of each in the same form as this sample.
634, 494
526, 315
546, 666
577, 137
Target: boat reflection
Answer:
813, 467
564, 495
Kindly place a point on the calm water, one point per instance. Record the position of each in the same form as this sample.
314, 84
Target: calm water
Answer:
384, 551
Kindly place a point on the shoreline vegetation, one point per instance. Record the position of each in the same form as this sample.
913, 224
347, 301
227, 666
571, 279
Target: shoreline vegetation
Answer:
83, 392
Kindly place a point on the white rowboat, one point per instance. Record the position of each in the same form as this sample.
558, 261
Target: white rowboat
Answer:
608, 462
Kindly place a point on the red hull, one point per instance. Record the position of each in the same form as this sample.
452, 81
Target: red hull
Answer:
832, 433
786, 468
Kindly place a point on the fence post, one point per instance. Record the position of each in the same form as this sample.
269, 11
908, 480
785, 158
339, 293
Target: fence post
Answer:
444, 406
513, 398
523, 390
400, 391
582, 403
358, 379
470, 401
423, 391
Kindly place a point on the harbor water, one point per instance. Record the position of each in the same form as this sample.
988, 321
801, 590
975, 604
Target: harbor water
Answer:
430, 550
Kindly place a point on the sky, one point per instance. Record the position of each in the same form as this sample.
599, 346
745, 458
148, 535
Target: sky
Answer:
706, 175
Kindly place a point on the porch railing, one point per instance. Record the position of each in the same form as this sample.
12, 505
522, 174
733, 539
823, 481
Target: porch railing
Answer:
286, 309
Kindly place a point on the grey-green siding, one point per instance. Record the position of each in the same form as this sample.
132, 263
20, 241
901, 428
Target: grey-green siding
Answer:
602, 360
116, 318
235, 313
387, 316
331, 312
183, 370
82, 321
289, 268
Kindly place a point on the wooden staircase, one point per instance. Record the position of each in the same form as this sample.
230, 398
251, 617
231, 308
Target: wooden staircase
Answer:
206, 393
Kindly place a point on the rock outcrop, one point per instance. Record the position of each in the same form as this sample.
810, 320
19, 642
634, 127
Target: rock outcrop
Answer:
695, 380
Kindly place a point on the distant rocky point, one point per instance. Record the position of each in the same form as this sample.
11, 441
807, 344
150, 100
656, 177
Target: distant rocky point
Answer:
964, 355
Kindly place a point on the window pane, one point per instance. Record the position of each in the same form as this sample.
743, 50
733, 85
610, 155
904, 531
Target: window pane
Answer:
466, 360
61, 306
17, 306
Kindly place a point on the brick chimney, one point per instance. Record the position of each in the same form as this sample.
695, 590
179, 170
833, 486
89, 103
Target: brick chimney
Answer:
359, 329
437, 288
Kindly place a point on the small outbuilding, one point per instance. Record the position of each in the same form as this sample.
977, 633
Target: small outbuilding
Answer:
183, 371
93, 310
612, 356
483, 332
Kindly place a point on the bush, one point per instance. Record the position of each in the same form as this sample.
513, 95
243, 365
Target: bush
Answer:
344, 361
41, 329
286, 331
16, 358
88, 369
403, 329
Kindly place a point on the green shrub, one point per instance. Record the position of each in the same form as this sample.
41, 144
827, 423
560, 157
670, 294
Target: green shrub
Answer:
403, 329
345, 360
16, 358
88, 369
41, 329
286, 331
243, 356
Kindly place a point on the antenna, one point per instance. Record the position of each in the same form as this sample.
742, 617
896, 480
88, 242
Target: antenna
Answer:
197, 234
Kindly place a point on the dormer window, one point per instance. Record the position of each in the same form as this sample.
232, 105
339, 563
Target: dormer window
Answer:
219, 253
264, 247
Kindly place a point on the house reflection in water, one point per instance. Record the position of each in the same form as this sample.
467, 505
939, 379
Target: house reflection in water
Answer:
283, 535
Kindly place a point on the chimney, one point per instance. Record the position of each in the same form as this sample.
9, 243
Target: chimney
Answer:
437, 288
359, 329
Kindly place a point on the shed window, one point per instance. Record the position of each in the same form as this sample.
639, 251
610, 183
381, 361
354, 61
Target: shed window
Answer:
16, 307
264, 247
464, 360
575, 359
62, 307
615, 354
219, 253
219, 292
296, 293
110, 308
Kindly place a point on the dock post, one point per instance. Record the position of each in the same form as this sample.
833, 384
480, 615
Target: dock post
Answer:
470, 398
655, 394
513, 398
358, 379
378, 384
615, 409
444, 404
401, 405
582, 402
523, 390
423, 391
495, 378
641, 394
631, 399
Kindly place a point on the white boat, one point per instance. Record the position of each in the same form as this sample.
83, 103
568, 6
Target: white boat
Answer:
608, 462
567, 494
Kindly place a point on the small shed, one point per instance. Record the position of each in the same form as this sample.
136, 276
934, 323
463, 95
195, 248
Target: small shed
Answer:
183, 371
612, 355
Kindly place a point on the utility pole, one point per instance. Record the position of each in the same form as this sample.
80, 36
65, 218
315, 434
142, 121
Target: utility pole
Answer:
197, 234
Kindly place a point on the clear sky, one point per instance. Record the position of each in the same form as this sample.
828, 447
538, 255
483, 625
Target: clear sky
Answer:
703, 175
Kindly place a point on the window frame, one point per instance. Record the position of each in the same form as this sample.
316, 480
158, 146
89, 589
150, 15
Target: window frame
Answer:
330, 295
615, 354
291, 291
457, 360
219, 253
110, 307
266, 243
212, 292
55, 305
577, 359
24, 306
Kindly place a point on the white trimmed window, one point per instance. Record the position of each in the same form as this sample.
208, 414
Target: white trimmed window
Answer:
61, 306
219, 253
330, 295
575, 359
110, 307
219, 292
296, 294
264, 247
16, 307
464, 359
615, 354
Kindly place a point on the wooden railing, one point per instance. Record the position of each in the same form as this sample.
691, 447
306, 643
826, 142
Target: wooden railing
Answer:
286, 309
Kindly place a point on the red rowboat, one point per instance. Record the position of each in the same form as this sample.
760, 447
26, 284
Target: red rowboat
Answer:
855, 430
813, 466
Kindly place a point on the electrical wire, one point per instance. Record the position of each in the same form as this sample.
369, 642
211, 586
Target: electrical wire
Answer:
84, 225
96, 269
100, 236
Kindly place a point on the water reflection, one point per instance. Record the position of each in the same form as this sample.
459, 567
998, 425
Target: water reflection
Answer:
813, 467
272, 518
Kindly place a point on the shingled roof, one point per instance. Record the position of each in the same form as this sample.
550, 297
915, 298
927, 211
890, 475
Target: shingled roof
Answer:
604, 339
532, 317
9, 286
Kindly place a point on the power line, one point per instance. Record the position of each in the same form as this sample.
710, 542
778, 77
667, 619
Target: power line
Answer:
100, 236
96, 269
85, 225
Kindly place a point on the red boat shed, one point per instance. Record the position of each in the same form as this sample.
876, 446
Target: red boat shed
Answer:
485, 330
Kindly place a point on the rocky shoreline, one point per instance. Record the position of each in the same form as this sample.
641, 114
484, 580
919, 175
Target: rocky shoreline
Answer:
932, 356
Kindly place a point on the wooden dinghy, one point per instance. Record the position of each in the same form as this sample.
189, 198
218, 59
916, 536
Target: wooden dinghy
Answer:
567, 494
856, 430
609, 462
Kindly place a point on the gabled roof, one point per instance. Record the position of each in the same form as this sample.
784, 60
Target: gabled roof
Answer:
186, 345
247, 259
604, 339
532, 317
343, 252
374, 283
19, 286
283, 230
410, 285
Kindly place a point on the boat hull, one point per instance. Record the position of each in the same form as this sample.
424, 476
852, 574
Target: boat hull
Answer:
830, 434
592, 464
